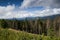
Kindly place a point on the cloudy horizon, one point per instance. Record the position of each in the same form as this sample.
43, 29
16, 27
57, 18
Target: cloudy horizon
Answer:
28, 8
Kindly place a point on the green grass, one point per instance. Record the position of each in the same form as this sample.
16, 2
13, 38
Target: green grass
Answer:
10, 34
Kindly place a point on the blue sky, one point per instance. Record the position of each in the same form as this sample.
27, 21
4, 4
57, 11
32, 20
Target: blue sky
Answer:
28, 8
10, 2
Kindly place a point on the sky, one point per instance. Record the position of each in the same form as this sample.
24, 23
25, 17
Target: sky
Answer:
28, 8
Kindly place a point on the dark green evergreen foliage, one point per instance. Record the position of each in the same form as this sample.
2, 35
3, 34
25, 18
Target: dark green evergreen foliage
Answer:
4, 23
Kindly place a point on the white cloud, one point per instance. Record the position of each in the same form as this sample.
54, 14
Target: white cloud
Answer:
6, 11
44, 3
10, 12
47, 12
38, 13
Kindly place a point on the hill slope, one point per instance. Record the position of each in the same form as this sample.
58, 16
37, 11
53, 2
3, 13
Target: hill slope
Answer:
10, 34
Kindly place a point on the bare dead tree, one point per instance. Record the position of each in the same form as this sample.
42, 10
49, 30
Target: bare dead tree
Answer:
33, 25
48, 25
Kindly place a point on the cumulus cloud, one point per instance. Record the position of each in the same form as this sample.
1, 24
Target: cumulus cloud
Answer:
38, 13
52, 7
44, 3
10, 12
6, 11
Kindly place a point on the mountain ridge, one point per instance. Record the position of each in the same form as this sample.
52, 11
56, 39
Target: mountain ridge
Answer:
33, 18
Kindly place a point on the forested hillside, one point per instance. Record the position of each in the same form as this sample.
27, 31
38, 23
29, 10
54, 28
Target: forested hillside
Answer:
50, 27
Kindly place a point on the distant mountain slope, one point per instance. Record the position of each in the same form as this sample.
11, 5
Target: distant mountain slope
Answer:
33, 18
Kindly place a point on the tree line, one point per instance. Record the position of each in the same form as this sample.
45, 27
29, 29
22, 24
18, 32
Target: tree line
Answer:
38, 26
